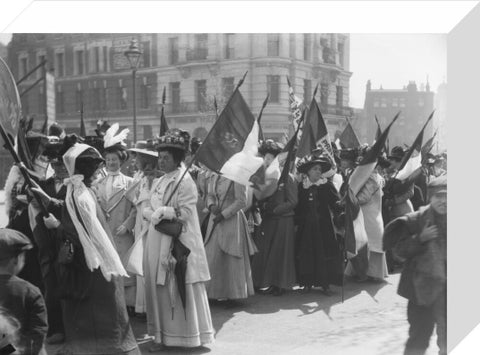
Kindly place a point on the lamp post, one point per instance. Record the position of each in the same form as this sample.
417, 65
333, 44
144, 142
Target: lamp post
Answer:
133, 55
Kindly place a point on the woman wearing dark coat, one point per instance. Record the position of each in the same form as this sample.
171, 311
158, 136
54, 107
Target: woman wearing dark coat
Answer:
318, 255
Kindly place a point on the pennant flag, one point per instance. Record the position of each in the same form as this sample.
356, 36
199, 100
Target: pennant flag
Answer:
379, 130
355, 235
231, 146
427, 147
318, 132
295, 104
83, 131
260, 131
348, 138
412, 161
163, 120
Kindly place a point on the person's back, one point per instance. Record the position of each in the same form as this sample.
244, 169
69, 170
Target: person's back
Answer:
18, 298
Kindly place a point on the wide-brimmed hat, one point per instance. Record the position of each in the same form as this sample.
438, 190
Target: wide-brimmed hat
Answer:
308, 161
146, 147
397, 153
270, 146
174, 138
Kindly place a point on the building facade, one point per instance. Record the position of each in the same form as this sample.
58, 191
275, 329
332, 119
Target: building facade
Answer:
92, 73
415, 105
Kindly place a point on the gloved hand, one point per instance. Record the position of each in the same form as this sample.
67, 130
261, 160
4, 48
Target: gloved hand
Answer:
147, 213
428, 232
51, 222
164, 212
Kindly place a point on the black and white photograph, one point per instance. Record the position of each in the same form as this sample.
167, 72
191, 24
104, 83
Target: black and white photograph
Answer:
223, 193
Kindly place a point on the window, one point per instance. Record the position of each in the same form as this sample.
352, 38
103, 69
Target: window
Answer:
383, 102
421, 102
307, 90
146, 54
121, 98
229, 46
228, 87
105, 58
173, 50
78, 99
201, 94
376, 103
80, 62
23, 68
307, 46
339, 101
60, 100
324, 94
96, 99
402, 102
103, 100
96, 59
175, 95
395, 102
200, 51
145, 95
273, 87
273, 45
59, 65
341, 53
40, 59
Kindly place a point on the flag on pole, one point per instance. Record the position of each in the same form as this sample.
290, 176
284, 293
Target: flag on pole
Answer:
83, 131
412, 161
295, 104
163, 120
231, 146
427, 147
355, 234
348, 138
379, 129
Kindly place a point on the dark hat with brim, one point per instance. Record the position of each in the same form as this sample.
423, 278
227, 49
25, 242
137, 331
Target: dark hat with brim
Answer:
397, 153
304, 165
12, 243
174, 139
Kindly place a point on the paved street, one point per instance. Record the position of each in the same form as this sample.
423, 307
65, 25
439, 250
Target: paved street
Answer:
372, 320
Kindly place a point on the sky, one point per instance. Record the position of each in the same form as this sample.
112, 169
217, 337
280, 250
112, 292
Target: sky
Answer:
390, 60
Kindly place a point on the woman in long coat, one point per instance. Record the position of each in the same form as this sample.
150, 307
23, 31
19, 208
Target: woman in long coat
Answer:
118, 207
90, 280
167, 320
318, 256
146, 160
274, 265
228, 243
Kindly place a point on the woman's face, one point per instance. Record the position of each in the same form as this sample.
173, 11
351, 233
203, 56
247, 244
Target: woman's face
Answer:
314, 173
112, 162
137, 158
166, 163
268, 159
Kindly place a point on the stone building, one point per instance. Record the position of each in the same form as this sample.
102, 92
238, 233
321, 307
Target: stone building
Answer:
92, 72
415, 105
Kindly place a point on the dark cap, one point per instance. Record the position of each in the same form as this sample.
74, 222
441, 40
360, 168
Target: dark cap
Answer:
438, 185
12, 243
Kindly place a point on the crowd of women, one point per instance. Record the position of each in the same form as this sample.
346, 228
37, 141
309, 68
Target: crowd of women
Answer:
161, 243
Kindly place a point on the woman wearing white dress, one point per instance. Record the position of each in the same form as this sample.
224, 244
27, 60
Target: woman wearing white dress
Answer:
168, 321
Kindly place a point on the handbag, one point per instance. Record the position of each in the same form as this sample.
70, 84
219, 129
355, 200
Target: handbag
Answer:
173, 227
66, 252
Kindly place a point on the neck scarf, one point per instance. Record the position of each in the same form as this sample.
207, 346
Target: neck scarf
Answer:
81, 205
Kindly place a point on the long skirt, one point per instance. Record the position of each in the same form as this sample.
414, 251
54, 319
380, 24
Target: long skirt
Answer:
99, 324
377, 266
274, 265
231, 276
171, 324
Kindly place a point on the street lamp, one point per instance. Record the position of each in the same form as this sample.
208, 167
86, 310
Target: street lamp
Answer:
133, 55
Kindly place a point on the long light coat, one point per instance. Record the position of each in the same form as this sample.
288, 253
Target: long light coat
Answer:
119, 210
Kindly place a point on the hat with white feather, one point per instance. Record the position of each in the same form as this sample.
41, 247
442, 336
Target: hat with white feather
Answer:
114, 143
